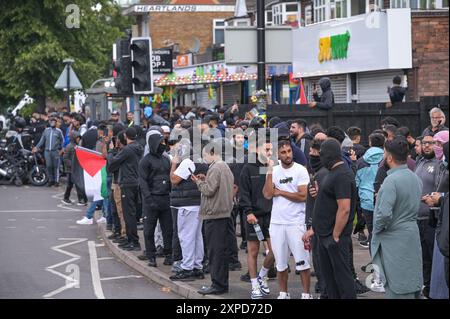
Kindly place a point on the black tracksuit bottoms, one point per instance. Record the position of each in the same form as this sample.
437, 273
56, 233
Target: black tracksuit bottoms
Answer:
129, 201
334, 267
215, 232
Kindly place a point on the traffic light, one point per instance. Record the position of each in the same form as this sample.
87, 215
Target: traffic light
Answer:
122, 67
141, 65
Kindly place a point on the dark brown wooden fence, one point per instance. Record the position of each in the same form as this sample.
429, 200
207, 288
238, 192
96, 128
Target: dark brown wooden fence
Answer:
367, 116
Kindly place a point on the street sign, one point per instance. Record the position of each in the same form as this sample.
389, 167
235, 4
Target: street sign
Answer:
62, 80
162, 61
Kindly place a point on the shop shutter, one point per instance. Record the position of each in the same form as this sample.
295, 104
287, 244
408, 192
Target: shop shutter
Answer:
372, 86
231, 93
203, 99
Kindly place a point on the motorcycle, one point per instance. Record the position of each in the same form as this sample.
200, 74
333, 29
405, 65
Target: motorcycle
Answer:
19, 166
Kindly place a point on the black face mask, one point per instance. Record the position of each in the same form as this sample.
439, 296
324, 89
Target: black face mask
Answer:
315, 162
428, 156
161, 149
330, 153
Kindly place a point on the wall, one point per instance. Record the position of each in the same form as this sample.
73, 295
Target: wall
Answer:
182, 27
430, 73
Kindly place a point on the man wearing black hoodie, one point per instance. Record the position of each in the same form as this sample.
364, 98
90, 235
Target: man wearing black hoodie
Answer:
326, 100
154, 181
319, 174
127, 161
333, 215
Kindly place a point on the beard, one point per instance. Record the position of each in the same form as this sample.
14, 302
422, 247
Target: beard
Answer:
287, 161
428, 156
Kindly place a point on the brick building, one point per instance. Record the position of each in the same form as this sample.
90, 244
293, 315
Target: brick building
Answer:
196, 28
428, 74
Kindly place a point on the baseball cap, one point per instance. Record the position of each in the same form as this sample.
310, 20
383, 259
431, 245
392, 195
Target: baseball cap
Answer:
165, 129
115, 112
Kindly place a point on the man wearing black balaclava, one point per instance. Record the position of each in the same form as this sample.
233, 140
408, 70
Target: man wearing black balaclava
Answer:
319, 174
333, 214
427, 168
154, 182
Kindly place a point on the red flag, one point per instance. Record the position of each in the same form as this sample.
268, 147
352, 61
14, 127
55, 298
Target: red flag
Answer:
302, 96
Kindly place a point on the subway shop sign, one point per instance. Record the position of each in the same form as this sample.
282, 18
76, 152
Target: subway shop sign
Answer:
362, 43
334, 47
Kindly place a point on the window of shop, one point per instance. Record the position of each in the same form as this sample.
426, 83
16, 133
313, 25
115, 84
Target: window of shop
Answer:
219, 31
286, 13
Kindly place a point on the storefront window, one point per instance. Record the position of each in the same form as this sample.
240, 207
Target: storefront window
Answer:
419, 4
308, 15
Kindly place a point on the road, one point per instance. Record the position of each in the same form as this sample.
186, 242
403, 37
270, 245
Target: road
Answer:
45, 254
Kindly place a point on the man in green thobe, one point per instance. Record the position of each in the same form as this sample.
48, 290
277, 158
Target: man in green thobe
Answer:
396, 248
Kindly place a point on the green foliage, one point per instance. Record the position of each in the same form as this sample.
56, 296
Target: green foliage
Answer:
34, 40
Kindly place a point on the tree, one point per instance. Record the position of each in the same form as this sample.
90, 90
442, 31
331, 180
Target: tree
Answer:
35, 37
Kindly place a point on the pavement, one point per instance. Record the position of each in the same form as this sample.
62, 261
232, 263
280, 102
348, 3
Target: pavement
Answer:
237, 288
44, 254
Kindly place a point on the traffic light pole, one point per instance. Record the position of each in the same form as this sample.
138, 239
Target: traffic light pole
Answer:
261, 45
68, 86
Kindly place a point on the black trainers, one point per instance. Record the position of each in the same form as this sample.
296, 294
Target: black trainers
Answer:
168, 261
364, 244
82, 203
245, 277
360, 288
198, 274
66, 201
132, 247
114, 236
184, 275
243, 245
142, 257
124, 243
120, 240
152, 262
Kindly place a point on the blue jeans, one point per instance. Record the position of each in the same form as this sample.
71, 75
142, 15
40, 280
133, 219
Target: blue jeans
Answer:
91, 209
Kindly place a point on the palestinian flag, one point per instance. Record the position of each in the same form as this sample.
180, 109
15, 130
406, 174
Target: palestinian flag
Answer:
89, 173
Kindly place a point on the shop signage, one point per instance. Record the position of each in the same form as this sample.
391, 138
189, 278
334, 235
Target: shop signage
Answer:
142, 9
354, 44
334, 47
162, 61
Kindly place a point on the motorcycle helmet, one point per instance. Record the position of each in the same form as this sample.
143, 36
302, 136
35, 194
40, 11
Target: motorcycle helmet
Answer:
19, 122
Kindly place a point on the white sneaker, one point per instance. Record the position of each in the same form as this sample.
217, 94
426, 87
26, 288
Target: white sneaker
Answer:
284, 295
377, 286
256, 293
85, 221
101, 220
263, 286
307, 296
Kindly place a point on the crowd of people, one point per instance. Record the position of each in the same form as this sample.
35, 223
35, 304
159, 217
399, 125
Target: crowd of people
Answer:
190, 177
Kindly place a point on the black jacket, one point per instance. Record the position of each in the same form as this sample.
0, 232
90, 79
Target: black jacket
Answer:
397, 93
186, 193
126, 161
442, 227
319, 177
251, 186
326, 100
154, 170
